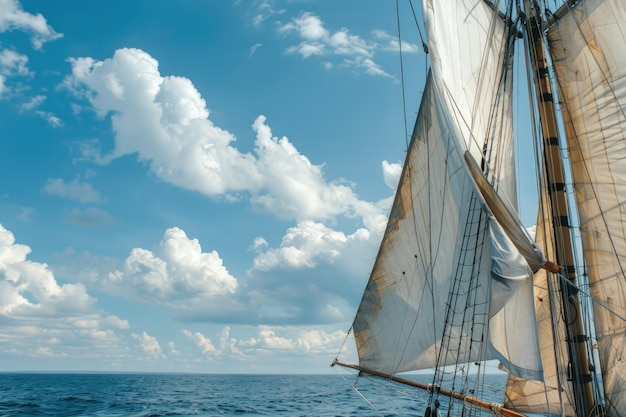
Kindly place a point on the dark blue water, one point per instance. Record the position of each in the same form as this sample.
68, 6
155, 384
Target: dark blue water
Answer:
153, 395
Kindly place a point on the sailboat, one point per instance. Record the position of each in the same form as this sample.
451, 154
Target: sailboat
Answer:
458, 281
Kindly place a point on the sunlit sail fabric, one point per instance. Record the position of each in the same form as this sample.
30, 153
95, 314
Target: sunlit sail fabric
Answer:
588, 45
472, 65
553, 395
443, 247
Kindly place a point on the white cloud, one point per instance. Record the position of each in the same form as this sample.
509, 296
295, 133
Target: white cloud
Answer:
30, 289
254, 48
266, 339
319, 340
13, 63
294, 187
164, 120
44, 318
74, 190
172, 348
390, 43
49, 117
313, 342
309, 26
313, 276
391, 174
203, 343
306, 245
264, 12
177, 273
33, 103
148, 344
357, 53
13, 17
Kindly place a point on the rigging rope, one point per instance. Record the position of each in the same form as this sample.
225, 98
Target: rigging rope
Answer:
406, 133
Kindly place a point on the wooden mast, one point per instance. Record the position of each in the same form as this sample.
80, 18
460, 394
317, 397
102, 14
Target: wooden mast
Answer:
555, 178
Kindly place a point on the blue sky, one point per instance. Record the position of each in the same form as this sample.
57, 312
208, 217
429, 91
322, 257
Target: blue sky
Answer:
194, 186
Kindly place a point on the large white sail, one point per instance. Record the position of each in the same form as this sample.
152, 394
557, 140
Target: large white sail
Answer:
442, 246
471, 59
588, 44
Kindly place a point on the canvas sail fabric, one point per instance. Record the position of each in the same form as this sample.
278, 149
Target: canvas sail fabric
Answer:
553, 395
443, 247
472, 58
588, 45
472, 63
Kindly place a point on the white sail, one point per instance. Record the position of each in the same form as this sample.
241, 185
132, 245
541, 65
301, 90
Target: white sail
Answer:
588, 45
471, 62
443, 247
448, 285
452, 280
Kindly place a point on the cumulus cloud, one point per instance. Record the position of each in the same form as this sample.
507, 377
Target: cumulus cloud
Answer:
30, 289
295, 188
268, 339
176, 273
202, 343
306, 245
391, 174
296, 282
74, 190
43, 317
13, 17
312, 276
148, 344
164, 120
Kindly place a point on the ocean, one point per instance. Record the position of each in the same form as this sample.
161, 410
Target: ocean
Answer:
153, 395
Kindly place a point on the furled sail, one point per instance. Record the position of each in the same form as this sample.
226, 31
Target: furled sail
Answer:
449, 285
587, 44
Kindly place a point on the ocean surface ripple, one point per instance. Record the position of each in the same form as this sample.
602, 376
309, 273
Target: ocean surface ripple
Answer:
155, 395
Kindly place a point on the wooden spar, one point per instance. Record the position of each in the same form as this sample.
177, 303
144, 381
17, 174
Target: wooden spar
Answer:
551, 267
431, 388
